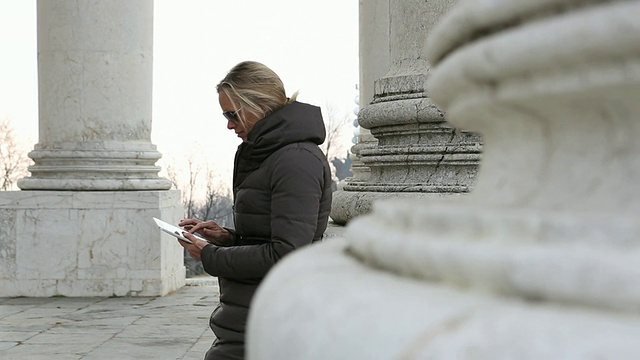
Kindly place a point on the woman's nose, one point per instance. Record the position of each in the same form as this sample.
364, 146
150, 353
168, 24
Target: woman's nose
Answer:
231, 125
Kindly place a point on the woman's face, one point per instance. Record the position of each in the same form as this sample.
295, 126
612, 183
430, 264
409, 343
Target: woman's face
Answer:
233, 117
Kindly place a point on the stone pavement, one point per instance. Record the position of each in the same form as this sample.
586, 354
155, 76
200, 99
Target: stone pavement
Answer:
175, 326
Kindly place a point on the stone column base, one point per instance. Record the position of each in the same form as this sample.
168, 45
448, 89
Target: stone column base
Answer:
347, 205
68, 243
409, 318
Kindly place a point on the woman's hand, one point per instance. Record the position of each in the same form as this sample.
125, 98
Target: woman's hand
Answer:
214, 233
195, 249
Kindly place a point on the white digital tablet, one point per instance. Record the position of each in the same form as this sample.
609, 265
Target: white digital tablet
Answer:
175, 231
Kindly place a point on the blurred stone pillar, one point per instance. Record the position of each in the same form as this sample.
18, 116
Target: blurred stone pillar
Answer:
374, 63
417, 153
540, 261
82, 226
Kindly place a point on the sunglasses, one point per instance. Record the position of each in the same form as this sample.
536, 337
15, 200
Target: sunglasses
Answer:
232, 115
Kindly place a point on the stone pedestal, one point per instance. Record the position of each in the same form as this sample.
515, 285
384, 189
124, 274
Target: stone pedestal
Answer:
83, 224
540, 261
71, 243
417, 154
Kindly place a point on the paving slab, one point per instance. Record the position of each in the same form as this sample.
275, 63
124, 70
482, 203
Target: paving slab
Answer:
175, 326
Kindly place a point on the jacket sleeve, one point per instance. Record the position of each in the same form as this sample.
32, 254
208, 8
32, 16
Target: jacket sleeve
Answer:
234, 234
297, 182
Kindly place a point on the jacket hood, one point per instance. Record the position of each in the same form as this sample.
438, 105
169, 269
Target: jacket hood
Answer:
294, 122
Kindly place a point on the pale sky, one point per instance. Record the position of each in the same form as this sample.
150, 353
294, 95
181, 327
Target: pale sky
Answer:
312, 45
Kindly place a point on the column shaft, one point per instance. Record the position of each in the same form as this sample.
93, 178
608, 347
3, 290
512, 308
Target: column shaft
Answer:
95, 62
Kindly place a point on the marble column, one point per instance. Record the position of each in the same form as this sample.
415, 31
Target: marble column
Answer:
540, 261
417, 153
82, 224
95, 64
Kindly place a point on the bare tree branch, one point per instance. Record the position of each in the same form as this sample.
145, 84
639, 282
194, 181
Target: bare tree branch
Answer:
193, 171
172, 176
335, 124
13, 158
334, 145
218, 204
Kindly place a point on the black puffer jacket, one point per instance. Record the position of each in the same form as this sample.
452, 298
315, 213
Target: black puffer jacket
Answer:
282, 197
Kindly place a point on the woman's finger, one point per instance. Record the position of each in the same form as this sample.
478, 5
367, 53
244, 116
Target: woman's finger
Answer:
196, 227
192, 222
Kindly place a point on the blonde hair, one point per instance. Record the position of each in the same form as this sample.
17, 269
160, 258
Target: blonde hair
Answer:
255, 88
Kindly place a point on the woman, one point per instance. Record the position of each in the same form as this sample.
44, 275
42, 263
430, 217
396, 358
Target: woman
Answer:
282, 195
